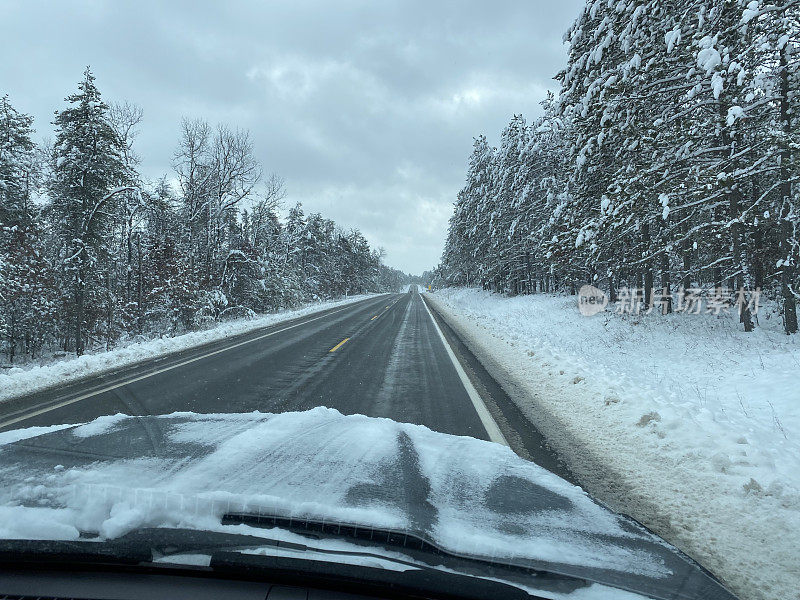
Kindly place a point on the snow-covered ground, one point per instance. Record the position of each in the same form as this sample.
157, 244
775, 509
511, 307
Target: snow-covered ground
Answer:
683, 421
18, 381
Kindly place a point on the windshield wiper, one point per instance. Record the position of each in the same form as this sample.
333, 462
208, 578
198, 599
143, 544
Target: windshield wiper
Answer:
423, 551
412, 543
135, 547
688, 581
311, 527
141, 549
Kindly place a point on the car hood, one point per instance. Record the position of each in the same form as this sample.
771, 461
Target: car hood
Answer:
466, 496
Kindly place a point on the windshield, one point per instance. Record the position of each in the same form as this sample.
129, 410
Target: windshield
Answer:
458, 299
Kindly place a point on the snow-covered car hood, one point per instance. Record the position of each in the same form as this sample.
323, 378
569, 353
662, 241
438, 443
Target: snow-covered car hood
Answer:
470, 497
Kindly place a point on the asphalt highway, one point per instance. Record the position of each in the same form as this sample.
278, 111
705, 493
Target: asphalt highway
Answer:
381, 357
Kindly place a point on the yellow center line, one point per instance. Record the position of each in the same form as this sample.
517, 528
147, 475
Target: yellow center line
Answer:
339, 345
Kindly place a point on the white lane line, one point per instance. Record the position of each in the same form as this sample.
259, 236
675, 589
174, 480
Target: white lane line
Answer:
480, 407
169, 368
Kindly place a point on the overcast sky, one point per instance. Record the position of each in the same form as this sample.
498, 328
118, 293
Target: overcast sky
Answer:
366, 109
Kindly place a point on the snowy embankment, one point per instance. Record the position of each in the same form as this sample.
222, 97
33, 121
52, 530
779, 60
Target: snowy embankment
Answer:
682, 421
19, 381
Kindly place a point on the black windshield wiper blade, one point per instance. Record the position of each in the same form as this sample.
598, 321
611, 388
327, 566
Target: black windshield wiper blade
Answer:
421, 552
133, 548
226, 549
412, 543
74, 551
169, 540
136, 550
688, 583
423, 581
397, 539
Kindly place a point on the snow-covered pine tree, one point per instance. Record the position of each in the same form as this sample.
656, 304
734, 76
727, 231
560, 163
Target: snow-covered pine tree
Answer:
463, 262
544, 194
506, 254
676, 127
768, 112
26, 298
595, 58
16, 164
88, 175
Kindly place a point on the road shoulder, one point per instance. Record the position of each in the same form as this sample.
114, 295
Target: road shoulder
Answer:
522, 434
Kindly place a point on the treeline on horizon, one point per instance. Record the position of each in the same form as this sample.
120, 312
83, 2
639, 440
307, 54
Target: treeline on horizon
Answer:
667, 162
91, 254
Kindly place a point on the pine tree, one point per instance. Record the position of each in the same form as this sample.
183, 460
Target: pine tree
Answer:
668, 156
88, 174
26, 299
110, 257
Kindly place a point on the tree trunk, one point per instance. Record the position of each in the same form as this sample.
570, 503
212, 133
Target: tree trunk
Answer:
666, 293
787, 268
758, 258
648, 288
638, 283
139, 286
129, 257
612, 291
687, 266
648, 268
12, 339
740, 258
79, 293
528, 273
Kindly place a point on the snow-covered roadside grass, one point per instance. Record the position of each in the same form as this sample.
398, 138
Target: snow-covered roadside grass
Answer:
684, 422
19, 381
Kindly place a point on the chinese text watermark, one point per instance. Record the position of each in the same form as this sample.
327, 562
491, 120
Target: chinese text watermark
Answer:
715, 301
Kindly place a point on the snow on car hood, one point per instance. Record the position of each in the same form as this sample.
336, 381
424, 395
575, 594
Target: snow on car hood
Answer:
472, 497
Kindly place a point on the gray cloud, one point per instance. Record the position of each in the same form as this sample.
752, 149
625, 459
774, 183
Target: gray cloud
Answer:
367, 109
